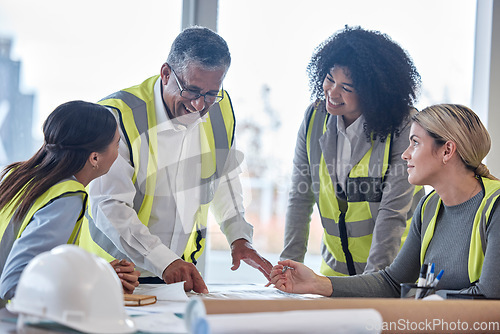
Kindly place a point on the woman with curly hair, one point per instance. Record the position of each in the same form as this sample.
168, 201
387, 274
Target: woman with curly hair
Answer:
347, 155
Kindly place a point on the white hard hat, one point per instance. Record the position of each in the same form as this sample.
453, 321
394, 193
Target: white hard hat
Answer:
74, 288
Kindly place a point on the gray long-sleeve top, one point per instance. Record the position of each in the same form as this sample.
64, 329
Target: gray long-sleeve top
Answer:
392, 212
50, 226
448, 249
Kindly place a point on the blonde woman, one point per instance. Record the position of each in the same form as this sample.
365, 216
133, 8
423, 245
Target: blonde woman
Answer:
456, 226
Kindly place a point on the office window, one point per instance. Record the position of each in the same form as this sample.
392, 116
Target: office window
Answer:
271, 43
67, 50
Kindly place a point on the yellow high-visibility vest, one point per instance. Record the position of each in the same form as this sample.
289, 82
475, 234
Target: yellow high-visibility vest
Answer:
345, 253
9, 231
477, 247
137, 116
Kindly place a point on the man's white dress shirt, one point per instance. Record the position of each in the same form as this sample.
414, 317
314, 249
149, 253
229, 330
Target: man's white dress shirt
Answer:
175, 203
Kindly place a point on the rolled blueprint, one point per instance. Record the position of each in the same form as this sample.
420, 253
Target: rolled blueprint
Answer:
346, 321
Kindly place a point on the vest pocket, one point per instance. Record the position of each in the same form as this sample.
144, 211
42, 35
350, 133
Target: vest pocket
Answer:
364, 189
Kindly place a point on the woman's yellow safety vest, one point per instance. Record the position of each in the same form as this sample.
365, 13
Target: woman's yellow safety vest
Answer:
137, 116
477, 248
11, 230
348, 225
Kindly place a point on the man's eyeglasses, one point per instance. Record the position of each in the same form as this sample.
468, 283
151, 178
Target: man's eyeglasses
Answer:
192, 95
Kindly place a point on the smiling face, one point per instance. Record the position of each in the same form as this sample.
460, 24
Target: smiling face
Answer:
424, 160
341, 97
195, 79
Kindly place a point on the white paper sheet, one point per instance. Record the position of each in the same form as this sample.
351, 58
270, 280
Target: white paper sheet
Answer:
160, 317
248, 291
160, 323
170, 292
158, 307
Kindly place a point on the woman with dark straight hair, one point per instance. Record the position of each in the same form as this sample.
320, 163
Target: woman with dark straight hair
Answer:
43, 199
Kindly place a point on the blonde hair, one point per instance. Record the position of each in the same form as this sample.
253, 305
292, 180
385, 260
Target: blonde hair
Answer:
459, 124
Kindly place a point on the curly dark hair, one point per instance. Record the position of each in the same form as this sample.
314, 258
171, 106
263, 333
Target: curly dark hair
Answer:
383, 75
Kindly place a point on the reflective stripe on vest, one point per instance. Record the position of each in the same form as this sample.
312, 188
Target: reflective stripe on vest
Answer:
11, 230
364, 193
477, 248
137, 116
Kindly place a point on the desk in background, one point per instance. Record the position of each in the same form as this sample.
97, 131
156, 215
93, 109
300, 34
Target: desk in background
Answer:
399, 315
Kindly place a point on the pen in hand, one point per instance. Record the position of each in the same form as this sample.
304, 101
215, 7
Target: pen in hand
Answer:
285, 268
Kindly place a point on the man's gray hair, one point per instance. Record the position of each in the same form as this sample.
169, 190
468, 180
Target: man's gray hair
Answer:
199, 46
